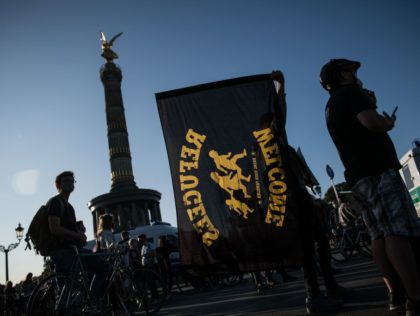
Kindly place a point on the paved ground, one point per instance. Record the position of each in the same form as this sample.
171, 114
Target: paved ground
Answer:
287, 298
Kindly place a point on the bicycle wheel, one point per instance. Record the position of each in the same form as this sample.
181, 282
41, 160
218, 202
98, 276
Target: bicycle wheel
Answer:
152, 287
128, 296
340, 251
57, 295
364, 244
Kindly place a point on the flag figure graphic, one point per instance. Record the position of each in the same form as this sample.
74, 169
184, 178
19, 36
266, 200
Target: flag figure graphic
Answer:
227, 150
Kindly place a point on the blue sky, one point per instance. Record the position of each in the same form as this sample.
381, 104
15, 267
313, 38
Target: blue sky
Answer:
52, 112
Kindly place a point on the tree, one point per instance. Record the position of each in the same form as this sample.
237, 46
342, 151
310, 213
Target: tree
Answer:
48, 268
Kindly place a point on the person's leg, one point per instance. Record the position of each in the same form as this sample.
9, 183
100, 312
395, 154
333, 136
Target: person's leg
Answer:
307, 234
397, 217
324, 258
415, 245
396, 292
315, 302
400, 254
309, 265
269, 277
256, 277
389, 212
389, 275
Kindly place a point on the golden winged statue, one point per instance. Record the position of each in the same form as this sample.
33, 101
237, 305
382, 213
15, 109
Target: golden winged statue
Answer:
107, 52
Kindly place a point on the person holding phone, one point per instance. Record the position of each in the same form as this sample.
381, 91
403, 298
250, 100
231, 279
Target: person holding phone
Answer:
372, 170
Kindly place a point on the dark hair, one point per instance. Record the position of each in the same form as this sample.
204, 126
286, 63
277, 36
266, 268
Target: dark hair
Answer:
61, 176
142, 236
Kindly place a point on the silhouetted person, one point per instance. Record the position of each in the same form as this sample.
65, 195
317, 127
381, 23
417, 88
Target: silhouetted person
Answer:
371, 169
163, 251
28, 286
62, 225
302, 201
123, 247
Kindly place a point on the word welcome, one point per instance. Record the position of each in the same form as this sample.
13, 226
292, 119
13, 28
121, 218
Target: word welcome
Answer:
276, 185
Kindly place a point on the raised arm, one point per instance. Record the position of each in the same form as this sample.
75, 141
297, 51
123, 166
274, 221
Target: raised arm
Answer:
278, 77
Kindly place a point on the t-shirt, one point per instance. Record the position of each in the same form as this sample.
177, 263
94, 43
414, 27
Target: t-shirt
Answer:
67, 219
106, 239
363, 152
147, 255
123, 248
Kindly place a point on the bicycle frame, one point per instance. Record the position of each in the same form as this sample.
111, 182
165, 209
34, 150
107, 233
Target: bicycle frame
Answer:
132, 291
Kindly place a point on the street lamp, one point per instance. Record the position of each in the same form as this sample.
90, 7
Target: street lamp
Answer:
19, 236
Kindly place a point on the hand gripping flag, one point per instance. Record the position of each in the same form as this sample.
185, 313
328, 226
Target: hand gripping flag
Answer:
227, 151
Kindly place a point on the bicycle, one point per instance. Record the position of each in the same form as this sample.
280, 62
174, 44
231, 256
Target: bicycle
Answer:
349, 240
153, 287
70, 295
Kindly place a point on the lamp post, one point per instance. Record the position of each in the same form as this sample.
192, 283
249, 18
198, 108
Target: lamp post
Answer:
19, 236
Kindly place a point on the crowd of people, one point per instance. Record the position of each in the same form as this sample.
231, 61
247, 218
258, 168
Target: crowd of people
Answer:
371, 169
134, 252
13, 298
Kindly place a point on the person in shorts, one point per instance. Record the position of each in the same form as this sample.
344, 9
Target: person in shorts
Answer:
372, 170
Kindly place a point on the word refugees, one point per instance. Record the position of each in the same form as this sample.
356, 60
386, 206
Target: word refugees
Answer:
230, 178
189, 182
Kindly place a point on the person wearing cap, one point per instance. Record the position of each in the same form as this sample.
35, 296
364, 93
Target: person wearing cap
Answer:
371, 164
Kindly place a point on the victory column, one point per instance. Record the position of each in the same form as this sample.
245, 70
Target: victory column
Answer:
130, 206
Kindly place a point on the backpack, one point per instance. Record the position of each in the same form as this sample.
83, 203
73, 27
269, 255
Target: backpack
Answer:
39, 232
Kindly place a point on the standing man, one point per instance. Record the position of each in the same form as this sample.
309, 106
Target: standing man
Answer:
148, 261
315, 301
147, 253
63, 226
123, 247
371, 169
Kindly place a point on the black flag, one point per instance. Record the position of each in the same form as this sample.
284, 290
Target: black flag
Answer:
227, 152
310, 179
